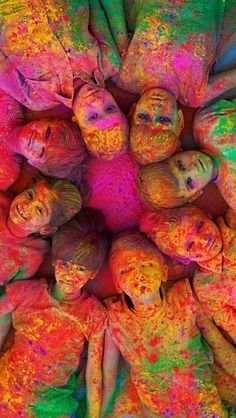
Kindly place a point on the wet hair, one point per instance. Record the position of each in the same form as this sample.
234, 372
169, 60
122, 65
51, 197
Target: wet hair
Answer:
133, 241
108, 143
152, 145
158, 187
67, 200
83, 240
65, 160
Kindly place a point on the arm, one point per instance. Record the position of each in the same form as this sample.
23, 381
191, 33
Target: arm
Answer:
94, 374
220, 84
110, 369
5, 318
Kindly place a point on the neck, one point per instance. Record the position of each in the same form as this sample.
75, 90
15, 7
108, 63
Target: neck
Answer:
15, 139
150, 305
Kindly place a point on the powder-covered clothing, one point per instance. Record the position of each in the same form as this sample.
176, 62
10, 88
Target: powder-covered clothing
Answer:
48, 48
11, 115
226, 48
20, 258
215, 133
49, 340
170, 365
172, 47
215, 283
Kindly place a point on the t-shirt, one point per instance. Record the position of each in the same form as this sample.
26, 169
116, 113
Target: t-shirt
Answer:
215, 283
48, 48
49, 340
215, 133
11, 114
172, 47
20, 258
169, 362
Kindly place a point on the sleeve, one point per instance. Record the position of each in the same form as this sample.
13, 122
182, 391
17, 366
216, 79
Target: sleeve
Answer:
26, 293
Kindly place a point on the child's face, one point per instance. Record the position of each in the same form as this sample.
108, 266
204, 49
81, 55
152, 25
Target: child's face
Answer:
157, 108
191, 235
95, 109
71, 277
139, 275
36, 137
31, 210
192, 169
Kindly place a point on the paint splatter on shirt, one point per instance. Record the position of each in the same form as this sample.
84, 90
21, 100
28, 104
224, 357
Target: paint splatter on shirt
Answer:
48, 48
173, 47
49, 340
169, 362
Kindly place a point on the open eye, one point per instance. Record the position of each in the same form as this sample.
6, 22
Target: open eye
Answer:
199, 226
93, 117
64, 263
39, 210
164, 119
190, 183
80, 268
30, 195
48, 133
111, 108
144, 117
190, 245
180, 165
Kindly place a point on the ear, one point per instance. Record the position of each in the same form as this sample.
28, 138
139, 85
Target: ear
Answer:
46, 230
195, 196
180, 120
183, 260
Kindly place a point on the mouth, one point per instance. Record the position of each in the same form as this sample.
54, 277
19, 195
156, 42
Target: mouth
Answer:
20, 212
202, 165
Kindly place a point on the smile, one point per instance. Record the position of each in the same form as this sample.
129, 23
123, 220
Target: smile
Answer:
20, 212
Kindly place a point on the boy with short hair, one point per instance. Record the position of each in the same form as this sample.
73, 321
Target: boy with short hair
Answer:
155, 330
52, 326
43, 207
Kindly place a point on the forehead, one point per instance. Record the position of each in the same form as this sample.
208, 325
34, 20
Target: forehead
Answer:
134, 258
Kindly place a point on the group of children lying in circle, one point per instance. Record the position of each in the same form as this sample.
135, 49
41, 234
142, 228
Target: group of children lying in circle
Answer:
90, 191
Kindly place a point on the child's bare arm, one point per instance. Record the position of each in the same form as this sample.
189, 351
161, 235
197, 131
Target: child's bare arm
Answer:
221, 83
94, 374
5, 318
110, 369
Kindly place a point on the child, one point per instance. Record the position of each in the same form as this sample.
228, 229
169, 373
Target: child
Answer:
43, 207
168, 60
20, 257
52, 326
55, 147
60, 47
156, 331
187, 233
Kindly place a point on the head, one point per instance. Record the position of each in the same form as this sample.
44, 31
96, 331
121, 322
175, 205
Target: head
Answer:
175, 181
43, 207
137, 266
104, 127
55, 147
79, 250
184, 233
155, 127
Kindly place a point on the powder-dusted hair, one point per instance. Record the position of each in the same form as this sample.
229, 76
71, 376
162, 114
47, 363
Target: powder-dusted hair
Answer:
158, 187
65, 160
67, 200
149, 145
132, 241
107, 143
83, 240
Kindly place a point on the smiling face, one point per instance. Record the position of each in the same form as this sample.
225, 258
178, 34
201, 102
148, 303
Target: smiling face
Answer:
185, 233
104, 126
139, 274
71, 277
192, 170
31, 210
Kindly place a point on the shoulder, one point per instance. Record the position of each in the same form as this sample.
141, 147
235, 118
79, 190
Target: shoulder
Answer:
27, 292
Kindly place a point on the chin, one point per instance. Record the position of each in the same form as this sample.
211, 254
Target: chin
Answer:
17, 230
